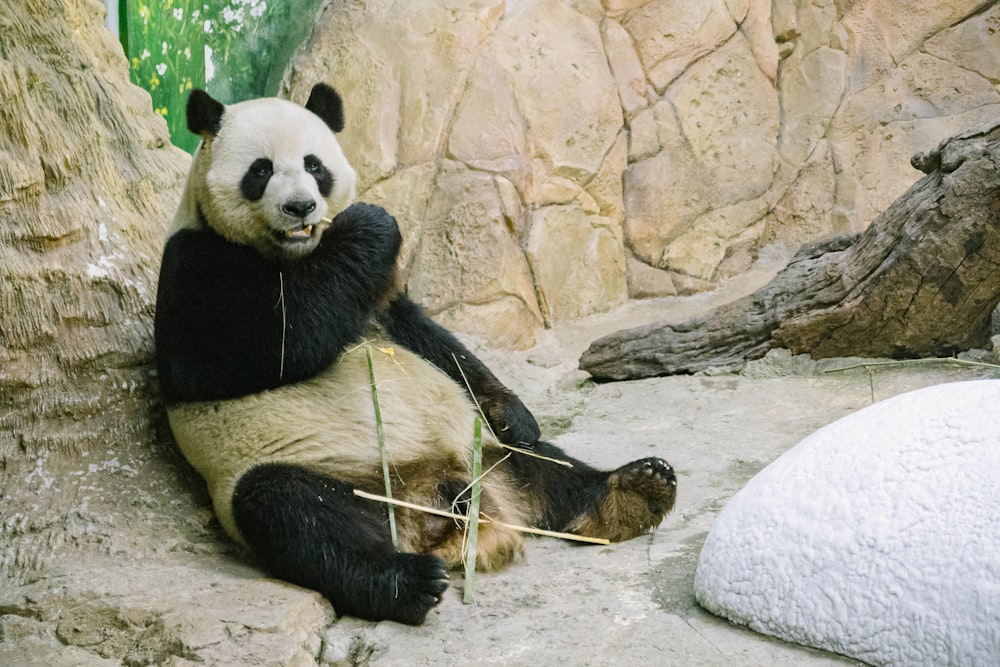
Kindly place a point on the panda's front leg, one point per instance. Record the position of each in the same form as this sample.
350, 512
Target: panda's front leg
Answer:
361, 249
408, 325
312, 531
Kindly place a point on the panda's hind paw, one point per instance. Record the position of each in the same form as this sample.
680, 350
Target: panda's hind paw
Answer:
416, 583
651, 479
633, 499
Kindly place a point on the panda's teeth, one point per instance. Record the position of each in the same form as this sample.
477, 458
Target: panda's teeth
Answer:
302, 233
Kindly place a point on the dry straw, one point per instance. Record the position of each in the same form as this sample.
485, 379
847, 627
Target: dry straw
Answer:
482, 519
474, 518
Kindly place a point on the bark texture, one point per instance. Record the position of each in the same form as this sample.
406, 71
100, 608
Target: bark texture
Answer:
921, 281
88, 181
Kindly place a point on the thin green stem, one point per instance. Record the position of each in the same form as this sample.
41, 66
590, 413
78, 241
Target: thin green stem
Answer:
469, 595
380, 433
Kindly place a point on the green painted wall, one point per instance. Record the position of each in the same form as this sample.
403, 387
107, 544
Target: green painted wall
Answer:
235, 49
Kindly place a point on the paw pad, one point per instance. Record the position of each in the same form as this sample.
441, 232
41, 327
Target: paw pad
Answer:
653, 468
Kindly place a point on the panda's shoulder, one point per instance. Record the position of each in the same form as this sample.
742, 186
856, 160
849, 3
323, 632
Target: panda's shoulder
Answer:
198, 244
192, 254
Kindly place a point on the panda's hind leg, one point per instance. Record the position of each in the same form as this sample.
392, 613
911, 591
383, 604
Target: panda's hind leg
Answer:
498, 544
311, 530
629, 502
615, 505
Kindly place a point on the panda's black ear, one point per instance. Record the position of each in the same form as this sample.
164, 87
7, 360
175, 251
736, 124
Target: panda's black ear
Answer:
204, 114
325, 103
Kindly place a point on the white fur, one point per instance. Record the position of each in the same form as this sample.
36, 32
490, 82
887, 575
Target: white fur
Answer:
282, 132
327, 424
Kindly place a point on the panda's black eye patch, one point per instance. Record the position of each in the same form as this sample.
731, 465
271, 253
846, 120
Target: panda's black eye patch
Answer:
256, 178
324, 179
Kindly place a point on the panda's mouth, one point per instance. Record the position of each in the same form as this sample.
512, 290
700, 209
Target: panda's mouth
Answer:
302, 233
295, 235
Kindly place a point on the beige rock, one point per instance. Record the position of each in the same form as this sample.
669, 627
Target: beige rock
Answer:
729, 114
645, 281
626, 67
663, 116
662, 195
971, 45
718, 128
670, 35
806, 209
606, 187
568, 95
488, 132
754, 19
873, 141
467, 253
402, 66
620, 5
578, 262
644, 141
812, 87
699, 251
900, 27
504, 321
406, 194
513, 208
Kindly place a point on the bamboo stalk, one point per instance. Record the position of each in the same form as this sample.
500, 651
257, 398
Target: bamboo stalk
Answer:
482, 519
380, 433
906, 362
469, 594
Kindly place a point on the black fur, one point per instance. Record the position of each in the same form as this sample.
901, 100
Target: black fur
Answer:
324, 179
325, 103
256, 178
204, 114
293, 320
407, 324
313, 531
222, 310
310, 529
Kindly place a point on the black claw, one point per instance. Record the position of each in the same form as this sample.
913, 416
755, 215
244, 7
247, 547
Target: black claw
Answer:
653, 468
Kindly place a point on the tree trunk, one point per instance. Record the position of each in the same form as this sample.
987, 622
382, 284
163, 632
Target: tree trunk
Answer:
921, 281
88, 182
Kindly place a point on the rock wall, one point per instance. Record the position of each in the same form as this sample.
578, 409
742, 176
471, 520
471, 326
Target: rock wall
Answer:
549, 159
88, 182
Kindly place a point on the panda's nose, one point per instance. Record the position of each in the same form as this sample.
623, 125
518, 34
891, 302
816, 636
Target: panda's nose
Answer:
298, 208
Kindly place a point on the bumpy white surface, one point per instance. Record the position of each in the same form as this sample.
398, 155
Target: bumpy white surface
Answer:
877, 537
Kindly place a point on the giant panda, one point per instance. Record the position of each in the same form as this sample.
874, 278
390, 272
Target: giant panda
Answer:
274, 293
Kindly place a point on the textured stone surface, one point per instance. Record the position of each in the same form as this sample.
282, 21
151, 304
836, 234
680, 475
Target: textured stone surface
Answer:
109, 554
920, 282
726, 125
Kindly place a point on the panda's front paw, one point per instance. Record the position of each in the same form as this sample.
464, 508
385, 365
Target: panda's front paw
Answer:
511, 421
416, 583
369, 217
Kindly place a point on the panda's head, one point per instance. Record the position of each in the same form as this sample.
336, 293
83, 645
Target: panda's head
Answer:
269, 173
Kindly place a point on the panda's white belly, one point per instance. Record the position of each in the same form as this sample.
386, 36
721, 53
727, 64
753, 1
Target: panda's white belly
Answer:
328, 423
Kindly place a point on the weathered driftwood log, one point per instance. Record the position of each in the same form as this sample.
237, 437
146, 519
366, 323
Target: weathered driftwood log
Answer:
921, 281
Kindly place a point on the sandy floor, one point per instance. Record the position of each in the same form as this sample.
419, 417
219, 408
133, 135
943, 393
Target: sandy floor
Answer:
170, 591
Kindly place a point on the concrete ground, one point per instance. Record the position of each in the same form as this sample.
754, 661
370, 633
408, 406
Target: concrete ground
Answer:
166, 588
